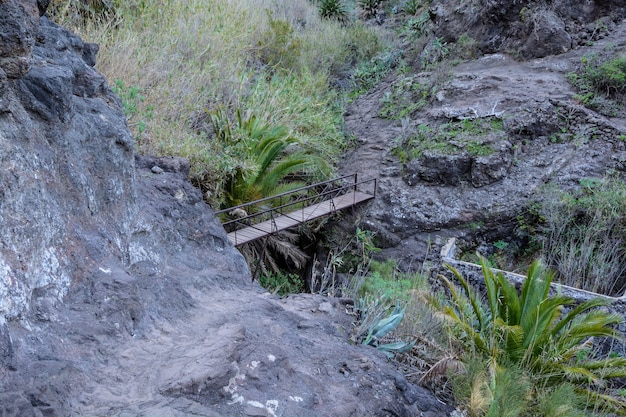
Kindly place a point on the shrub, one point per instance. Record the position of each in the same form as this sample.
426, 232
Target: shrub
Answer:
282, 283
333, 9
369, 7
368, 74
412, 6
76, 12
279, 47
532, 331
583, 234
601, 82
465, 47
262, 164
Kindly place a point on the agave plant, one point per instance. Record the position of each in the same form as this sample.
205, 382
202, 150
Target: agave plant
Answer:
532, 330
375, 327
333, 9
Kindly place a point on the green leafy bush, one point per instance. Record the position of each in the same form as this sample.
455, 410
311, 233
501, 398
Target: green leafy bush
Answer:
601, 82
534, 332
282, 283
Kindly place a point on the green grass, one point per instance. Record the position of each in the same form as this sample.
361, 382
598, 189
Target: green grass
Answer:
450, 138
601, 81
583, 234
385, 281
406, 97
172, 61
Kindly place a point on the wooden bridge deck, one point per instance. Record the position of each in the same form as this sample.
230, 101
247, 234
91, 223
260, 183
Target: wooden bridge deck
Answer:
296, 217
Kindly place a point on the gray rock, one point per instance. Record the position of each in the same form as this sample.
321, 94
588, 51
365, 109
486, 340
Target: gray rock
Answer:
437, 168
120, 293
19, 21
526, 28
549, 37
492, 168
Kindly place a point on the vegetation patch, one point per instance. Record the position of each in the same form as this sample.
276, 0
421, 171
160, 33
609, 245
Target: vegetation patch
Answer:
176, 63
583, 234
406, 97
282, 283
469, 135
524, 349
601, 81
368, 74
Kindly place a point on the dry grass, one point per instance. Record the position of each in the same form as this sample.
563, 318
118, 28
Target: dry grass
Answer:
177, 59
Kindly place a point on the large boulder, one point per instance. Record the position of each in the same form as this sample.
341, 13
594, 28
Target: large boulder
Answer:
526, 28
66, 158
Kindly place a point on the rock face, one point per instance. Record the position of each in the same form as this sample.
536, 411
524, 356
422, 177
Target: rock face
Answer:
66, 158
546, 136
526, 28
120, 293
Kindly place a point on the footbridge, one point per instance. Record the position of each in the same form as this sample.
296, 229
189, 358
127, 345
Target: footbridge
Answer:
256, 219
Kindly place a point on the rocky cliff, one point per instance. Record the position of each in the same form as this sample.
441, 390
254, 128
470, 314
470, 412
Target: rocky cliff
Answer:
119, 291
535, 131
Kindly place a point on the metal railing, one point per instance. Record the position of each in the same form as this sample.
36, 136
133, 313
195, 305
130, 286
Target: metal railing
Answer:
289, 202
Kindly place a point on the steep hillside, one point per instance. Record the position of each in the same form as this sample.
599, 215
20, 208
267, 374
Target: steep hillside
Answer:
463, 146
120, 293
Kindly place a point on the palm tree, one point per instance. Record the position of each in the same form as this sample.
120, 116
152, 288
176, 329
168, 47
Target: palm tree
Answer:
269, 158
271, 162
532, 330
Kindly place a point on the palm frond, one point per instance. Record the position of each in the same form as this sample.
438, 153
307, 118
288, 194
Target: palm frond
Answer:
442, 368
576, 311
471, 295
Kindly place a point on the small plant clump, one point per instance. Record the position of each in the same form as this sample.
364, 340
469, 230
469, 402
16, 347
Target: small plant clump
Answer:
601, 82
451, 138
282, 283
406, 97
370, 73
369, 8
411, 7
334, 10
